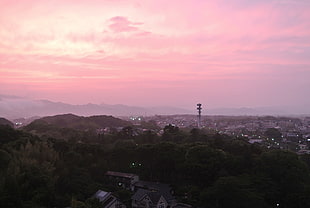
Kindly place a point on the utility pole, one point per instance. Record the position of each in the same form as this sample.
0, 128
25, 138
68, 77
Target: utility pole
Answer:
199, 115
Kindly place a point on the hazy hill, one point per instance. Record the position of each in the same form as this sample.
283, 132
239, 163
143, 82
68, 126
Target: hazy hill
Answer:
4, 121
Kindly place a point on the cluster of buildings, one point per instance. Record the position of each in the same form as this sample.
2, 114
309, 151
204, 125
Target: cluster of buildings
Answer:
295, 131
145, 194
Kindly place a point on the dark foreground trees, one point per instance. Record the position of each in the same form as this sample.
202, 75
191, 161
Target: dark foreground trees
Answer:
204, 170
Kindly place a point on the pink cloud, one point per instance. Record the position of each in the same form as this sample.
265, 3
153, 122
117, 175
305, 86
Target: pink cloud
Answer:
122, 24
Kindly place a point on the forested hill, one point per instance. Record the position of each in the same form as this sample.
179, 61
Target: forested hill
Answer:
73, 127
77, 122
4, 121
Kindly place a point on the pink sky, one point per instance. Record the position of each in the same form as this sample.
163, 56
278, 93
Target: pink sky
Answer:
222, 53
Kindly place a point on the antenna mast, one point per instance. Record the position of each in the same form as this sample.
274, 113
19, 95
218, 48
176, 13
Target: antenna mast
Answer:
199, 115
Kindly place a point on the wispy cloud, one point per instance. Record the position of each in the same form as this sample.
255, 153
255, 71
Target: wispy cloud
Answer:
122, 24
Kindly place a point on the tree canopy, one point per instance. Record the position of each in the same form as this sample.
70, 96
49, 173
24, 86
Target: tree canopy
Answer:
205, 170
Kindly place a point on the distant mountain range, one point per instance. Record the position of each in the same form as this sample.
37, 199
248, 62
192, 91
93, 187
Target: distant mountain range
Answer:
13, 107
262, 111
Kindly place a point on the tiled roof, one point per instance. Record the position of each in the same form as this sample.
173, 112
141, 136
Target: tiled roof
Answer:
154, 196
139, 194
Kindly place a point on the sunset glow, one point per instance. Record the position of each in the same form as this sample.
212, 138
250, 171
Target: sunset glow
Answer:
223, 53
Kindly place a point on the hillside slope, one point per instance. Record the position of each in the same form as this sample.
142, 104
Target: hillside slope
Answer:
4, 121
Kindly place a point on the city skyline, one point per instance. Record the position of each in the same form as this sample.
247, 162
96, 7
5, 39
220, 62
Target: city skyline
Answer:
233, 53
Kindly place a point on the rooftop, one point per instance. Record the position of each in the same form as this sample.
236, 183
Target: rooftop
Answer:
119, 174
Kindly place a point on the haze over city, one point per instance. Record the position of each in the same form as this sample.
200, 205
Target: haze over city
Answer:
234, 53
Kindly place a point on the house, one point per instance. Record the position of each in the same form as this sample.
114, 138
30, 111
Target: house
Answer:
108, 200
124, 180
163, 188
147, 194
148, 199
152, 194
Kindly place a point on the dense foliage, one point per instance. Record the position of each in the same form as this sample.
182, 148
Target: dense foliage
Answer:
205, 170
